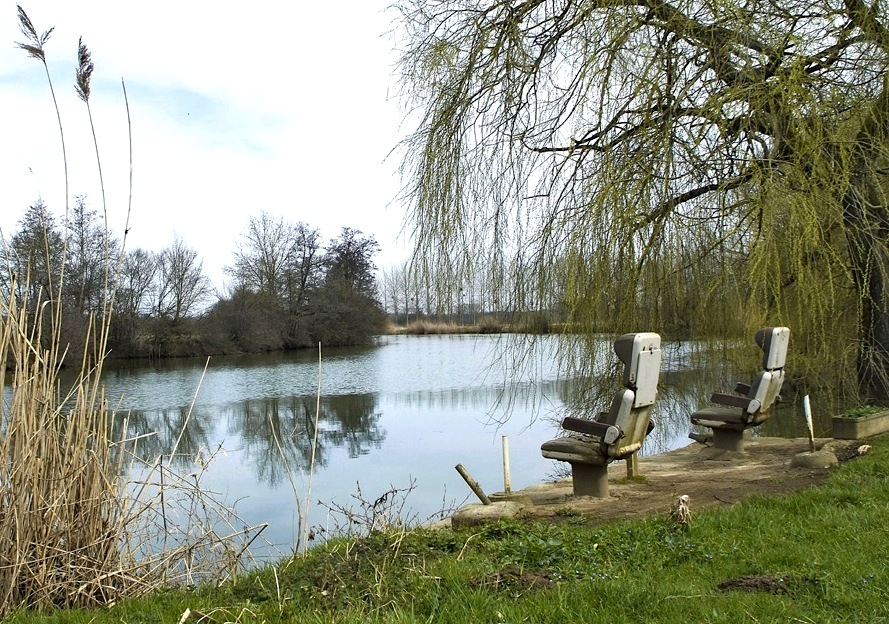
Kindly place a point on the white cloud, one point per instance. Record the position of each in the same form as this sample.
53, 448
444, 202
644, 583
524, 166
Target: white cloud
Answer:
234, 108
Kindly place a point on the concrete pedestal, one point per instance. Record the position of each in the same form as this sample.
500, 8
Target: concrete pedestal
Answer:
590, 480
728, 439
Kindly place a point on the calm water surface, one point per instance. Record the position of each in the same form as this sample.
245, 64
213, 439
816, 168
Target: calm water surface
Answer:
399, 414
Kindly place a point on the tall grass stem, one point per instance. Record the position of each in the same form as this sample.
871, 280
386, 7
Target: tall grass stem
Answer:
314, 448
194, 398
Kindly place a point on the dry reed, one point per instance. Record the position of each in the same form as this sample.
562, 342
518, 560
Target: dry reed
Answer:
60, 509
83, 520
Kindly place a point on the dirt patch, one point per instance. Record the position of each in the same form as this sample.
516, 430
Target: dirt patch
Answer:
515, 579
708, 476
768, 583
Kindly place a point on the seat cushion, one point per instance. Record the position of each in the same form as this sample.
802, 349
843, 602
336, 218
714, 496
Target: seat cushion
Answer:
575, 450
719, 416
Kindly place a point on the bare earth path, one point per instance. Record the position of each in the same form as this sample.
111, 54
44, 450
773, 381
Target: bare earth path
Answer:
707, 475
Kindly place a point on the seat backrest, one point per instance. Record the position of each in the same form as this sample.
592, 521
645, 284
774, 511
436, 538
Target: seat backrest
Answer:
631, 408
641, 356
624, 415
764, 392
767, 384
773, 341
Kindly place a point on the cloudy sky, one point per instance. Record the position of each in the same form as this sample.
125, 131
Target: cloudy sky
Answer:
235, 108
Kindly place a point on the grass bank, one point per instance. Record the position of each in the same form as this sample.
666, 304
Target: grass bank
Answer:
814, 556
485, 325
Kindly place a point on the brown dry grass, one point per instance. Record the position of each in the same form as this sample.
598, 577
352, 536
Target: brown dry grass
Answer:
60, 514
83, 521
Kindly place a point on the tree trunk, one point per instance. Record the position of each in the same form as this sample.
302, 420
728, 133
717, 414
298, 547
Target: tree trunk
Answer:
873, 349
866, 216
866, 213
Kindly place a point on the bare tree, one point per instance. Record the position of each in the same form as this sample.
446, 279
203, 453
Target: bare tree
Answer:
92, 257
391, 289
303, 267
35, 255
620, 148
181, 284
133, 301
276, 257
136, 282
261, 258
278, 263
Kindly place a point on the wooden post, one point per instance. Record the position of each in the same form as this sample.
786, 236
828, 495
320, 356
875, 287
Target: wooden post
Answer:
473, 485
632, 466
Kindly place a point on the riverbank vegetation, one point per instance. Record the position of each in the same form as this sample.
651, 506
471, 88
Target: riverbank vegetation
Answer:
289, 289
88, 517
808, 557
480, 324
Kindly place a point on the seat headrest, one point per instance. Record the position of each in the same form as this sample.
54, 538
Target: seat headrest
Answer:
641, 356
773, 341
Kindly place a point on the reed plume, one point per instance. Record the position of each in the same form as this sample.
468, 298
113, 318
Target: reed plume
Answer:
35, 44
84, 71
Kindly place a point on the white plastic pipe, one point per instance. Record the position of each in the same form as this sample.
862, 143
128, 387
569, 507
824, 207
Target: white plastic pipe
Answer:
506, 464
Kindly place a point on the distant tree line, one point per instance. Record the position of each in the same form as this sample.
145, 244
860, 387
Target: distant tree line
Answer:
672, 295
289, 289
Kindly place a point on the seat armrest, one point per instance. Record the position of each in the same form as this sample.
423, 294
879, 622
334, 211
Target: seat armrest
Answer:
729, 400
742, 388
733, 400
608, 433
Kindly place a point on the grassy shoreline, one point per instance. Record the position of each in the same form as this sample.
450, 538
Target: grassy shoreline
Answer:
812, 556
484, 325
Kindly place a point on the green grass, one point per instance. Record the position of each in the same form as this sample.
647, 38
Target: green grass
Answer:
813, 556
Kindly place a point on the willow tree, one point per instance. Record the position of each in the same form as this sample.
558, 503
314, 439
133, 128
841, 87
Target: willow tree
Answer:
719, 162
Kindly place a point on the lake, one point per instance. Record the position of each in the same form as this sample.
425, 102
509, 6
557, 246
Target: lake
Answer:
401, 414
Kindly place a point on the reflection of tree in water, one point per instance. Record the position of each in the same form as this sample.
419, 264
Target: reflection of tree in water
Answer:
497, 402
155, 434
358, 428
278, 434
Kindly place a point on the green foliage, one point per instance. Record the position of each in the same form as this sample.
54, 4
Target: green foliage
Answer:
863, 410
697, 170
